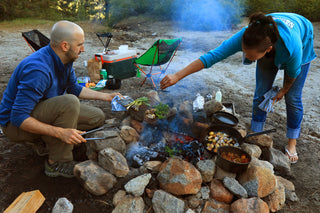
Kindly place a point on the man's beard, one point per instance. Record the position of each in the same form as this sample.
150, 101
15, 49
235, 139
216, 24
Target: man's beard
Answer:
71, 55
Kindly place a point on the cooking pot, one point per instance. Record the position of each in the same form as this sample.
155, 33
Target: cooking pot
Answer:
231, 132
231, 166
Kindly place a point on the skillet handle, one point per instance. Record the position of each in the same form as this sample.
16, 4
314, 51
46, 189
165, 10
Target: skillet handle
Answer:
260, 133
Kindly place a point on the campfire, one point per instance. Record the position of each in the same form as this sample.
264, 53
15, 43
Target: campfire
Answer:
180, 152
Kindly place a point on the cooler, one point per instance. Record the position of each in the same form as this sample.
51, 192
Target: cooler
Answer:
119, 63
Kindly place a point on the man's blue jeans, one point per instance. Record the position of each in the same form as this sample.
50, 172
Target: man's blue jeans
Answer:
266, 72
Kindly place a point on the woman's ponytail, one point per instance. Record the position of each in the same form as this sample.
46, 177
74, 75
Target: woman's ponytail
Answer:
261, 33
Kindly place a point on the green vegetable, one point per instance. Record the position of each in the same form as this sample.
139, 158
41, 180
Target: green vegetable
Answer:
162, 110
138, 102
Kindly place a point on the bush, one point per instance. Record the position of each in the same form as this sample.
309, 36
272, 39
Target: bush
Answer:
307, 8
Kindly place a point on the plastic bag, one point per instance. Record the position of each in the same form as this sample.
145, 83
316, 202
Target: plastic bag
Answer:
119, 104
198, 103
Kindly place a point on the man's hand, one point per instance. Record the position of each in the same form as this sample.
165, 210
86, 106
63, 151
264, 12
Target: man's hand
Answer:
71, 136
87, 93
279, 96
110, 96
168, 81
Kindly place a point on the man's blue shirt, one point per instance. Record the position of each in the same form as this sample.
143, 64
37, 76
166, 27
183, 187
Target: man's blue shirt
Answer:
38, 77
293, 49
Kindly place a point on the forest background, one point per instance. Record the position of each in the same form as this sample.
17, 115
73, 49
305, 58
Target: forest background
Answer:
109, 12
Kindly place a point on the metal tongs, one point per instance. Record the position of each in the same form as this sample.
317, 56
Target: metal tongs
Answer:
100, 138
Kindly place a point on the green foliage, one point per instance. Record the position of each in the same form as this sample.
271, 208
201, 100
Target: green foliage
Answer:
193, 14
162, 110
307, 8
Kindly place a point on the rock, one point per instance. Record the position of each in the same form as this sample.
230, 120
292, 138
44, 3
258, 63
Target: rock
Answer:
261, 140
112, 122
242, 131
276, 199
95, 146
126, 122
63, 205
256, 162
251, 149
278, 159
211, 107
153, 97
164, 202
213, 206
94, 178
207, 169
205, 192
221, 174
153, 166
190, 211
140, 113
254, 205
179, 177
186, 110
129, 134
289, 189
114, 162
219, 192
137, 185
119, 196
130, 205
258, 180
194, 201
137, 125
235, 187
150, 192
172, 112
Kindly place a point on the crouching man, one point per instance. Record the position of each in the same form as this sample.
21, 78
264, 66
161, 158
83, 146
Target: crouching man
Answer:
41, 100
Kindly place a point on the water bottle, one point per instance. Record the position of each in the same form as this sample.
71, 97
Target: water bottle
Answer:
218, 96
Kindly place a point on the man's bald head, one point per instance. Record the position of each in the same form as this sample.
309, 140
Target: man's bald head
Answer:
64, 31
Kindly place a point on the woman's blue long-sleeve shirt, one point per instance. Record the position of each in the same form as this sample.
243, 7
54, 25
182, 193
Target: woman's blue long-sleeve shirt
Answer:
38, 77
293, 49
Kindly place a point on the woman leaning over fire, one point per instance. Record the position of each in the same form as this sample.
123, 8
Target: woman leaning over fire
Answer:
276, 41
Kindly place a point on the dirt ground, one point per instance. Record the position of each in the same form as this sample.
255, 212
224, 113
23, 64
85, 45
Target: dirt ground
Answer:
21, 169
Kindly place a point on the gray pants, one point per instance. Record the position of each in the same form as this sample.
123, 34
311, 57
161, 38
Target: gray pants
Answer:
62, 111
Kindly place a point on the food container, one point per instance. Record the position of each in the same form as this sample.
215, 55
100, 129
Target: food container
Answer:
231, 166
119, 63
83, 80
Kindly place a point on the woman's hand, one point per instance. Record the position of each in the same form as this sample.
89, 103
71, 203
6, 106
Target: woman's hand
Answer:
279, 96
168, 81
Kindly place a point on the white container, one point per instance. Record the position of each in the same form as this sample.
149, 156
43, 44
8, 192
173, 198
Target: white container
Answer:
123, 48
116, 55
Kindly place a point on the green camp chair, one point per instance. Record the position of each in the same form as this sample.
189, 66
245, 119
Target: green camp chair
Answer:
161, 52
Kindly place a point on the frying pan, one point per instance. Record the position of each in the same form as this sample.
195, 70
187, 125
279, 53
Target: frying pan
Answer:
225, 118
232, 132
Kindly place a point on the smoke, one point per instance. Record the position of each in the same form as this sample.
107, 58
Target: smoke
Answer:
208, 15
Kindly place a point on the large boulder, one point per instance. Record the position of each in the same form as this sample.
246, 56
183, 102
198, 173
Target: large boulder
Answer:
114, 162
254, 205
164, 202
179, 177
258, 179
94, 178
